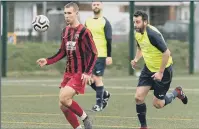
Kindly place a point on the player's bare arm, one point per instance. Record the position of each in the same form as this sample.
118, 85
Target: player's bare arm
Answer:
137, 57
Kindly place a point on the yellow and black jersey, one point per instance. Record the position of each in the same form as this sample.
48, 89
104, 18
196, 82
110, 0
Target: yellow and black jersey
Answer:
152, 45
102, 34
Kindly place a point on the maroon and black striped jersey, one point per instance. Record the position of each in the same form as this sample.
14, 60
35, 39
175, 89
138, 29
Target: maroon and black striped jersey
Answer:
79, 48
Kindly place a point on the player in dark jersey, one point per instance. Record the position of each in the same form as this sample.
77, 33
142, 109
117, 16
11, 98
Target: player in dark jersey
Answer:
79, 48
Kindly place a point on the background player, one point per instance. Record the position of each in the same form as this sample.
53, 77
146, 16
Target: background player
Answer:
78, 46
101, 30
157, 72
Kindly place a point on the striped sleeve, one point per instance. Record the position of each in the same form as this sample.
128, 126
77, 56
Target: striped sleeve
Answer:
60, 54
90, 50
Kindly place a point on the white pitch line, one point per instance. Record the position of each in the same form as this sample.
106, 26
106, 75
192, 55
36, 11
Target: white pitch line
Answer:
126, 87
99, 116
108, 79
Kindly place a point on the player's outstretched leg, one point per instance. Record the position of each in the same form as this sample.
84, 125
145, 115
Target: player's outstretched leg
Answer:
178, 92
65, 98
161, 100
181, 95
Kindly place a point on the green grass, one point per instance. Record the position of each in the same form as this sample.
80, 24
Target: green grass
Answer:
22, 59
30, 103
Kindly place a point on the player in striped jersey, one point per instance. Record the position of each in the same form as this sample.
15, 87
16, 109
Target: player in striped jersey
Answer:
79, 48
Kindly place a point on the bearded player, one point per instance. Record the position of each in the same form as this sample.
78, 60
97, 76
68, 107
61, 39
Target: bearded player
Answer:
101, 30
157, 72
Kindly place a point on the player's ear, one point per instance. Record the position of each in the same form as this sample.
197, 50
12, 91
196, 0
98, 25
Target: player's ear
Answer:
77, 13
145, 22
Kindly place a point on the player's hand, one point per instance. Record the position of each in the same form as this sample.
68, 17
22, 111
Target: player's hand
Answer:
157, 76
134, 63
85, 78
42, 62
109, 60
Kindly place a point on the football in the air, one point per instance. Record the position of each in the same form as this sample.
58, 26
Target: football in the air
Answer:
40, 23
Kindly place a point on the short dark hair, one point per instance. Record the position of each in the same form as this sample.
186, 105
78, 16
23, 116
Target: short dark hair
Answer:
72, 4
141, 14
96, 1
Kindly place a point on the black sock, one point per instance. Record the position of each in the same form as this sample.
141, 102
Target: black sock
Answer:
93, 86
105, 94
141, 113
99, 95
170, 97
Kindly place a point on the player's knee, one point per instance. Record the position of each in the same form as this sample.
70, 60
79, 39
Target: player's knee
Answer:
139, 99
62, 107
158, 105
65, 100
98, 80
91, 81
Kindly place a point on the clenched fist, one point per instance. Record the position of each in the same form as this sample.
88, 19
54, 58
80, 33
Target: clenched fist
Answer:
42, 62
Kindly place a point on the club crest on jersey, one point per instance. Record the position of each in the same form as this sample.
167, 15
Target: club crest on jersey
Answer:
70, 45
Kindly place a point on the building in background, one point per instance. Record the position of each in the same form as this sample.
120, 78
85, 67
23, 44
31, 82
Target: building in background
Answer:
20, 16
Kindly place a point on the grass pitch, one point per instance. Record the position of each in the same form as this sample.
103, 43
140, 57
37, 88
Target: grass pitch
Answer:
33, 104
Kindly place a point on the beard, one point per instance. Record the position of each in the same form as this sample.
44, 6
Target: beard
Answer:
140, 29
96, 11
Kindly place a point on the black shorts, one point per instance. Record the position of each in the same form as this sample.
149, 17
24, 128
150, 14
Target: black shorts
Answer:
100, 66
160, 87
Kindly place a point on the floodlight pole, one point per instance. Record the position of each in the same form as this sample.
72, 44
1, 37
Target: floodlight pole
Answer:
131, 36
191, 38
4, 40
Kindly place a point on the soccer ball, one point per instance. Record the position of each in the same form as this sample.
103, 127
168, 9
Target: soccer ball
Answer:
40, 23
